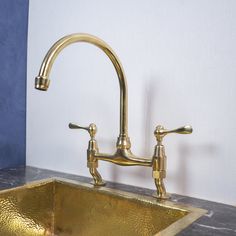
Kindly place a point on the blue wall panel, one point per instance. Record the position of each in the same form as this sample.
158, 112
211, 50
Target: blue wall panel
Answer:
13, 55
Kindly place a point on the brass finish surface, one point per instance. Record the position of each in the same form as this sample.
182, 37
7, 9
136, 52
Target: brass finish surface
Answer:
160, 132
42, 80
92, 129
68, 208
123, 155
27, 211
159, 158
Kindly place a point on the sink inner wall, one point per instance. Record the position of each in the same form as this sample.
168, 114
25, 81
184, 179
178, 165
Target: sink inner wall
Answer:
58, 208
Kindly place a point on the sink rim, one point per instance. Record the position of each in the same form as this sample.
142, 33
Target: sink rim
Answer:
194, 213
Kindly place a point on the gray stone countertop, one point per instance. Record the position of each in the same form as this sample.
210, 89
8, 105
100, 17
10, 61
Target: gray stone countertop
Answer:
220, 219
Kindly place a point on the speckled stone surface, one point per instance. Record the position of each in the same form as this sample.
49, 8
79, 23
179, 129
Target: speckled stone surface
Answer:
220, 219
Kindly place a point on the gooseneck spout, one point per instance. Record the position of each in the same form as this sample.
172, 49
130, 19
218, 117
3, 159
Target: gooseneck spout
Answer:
42, 80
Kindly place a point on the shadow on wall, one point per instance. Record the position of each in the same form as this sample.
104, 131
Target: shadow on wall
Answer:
13, 52
185, 151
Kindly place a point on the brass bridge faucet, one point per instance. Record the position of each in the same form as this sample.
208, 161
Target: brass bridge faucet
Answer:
123, 155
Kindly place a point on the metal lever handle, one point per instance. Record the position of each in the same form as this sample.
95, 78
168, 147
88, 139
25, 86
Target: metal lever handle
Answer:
160, 132
92, 128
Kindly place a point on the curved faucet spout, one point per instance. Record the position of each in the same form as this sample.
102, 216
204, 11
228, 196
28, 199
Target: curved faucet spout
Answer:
42, 81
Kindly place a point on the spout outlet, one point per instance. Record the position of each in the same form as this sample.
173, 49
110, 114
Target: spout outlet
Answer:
42, 83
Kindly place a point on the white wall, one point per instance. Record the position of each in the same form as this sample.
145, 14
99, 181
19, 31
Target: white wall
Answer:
180, 62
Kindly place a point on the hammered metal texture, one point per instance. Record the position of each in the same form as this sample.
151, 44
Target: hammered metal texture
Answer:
62, 209
88, 213
27, 211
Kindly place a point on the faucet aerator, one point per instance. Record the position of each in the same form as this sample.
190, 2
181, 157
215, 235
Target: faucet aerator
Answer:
42, 83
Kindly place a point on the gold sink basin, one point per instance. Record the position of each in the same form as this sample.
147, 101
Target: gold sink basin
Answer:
62, 207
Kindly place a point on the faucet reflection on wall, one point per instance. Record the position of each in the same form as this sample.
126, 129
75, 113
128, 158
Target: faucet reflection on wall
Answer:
123, 155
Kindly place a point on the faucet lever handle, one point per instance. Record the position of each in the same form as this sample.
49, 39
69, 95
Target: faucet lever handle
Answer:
92, 128
160, 132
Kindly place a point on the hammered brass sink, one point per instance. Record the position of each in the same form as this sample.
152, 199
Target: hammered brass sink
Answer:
61, 207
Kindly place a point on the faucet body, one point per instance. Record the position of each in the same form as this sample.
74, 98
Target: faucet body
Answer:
123, 155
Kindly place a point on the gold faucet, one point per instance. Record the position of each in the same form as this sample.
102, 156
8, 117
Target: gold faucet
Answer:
123, 155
